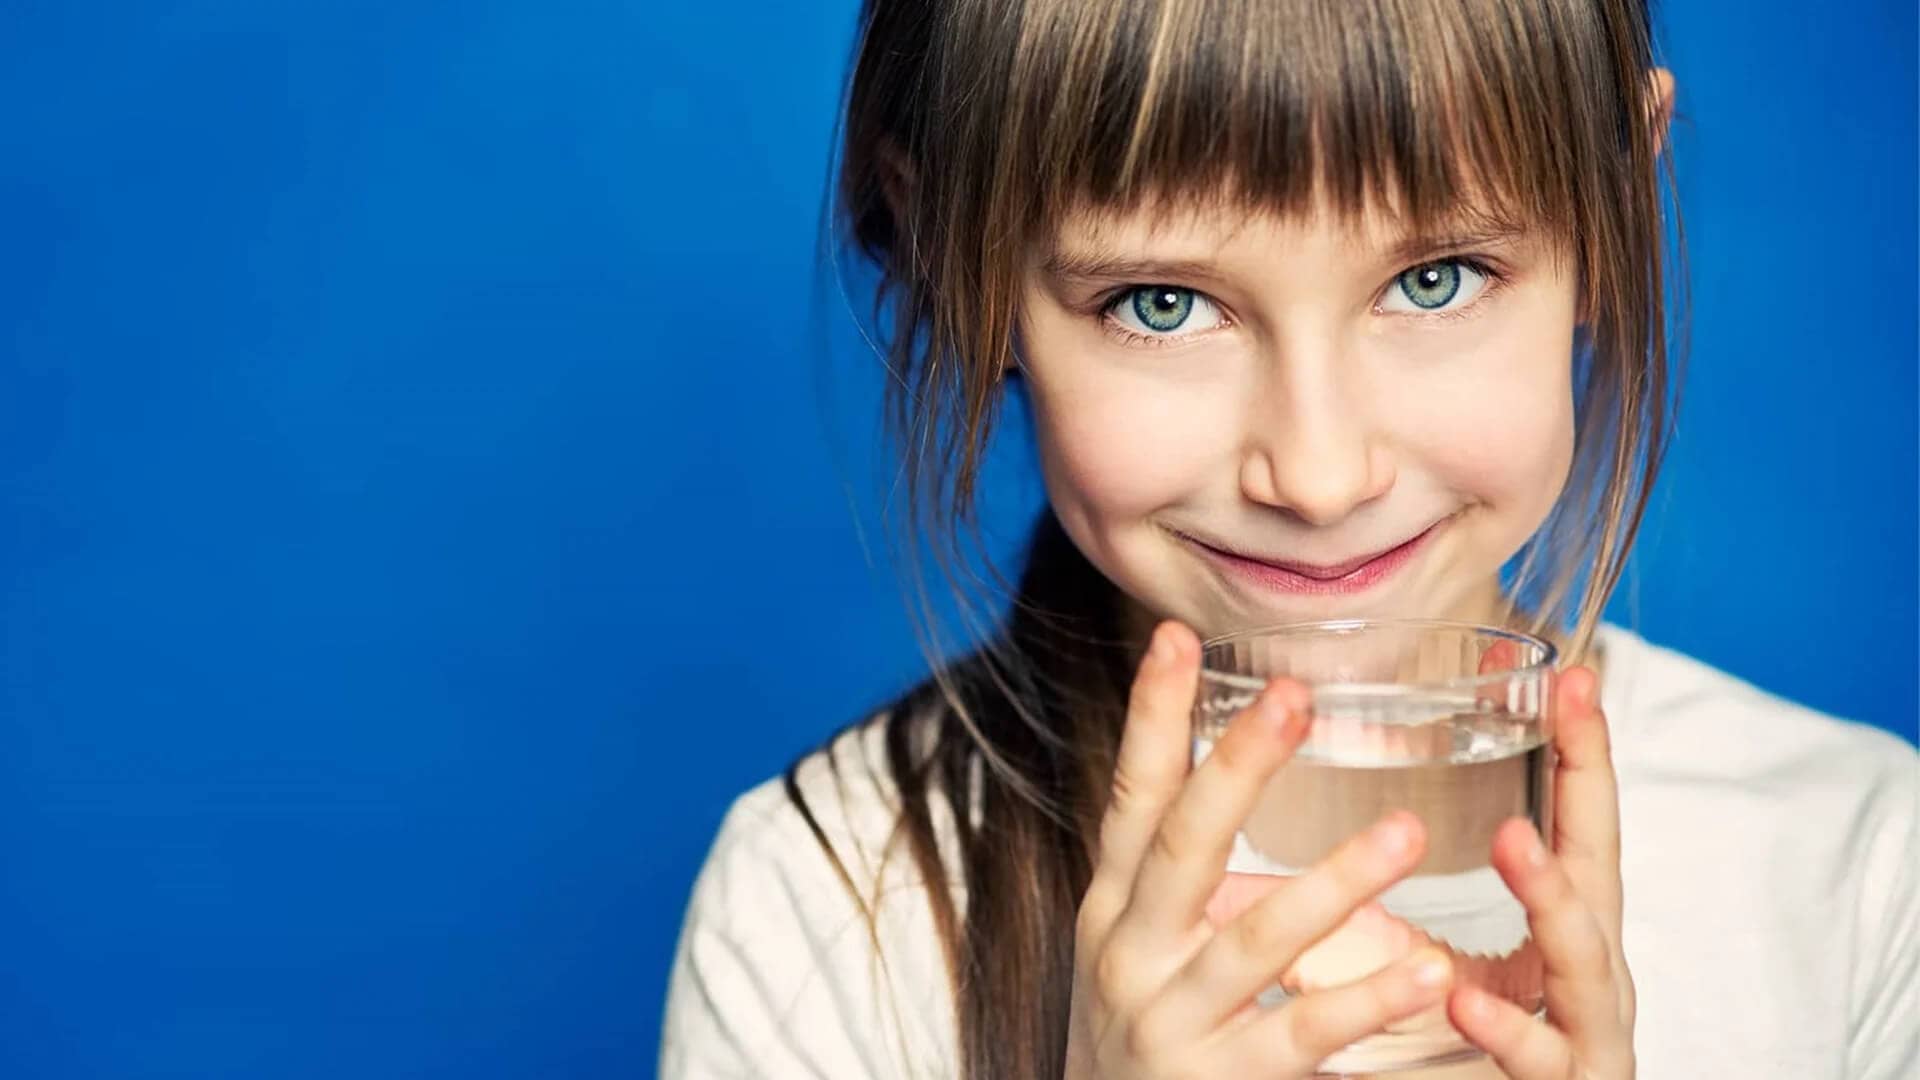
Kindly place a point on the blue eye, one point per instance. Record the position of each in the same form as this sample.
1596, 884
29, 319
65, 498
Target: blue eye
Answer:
1432, 285
1435, 286
1162, 307
1155, 312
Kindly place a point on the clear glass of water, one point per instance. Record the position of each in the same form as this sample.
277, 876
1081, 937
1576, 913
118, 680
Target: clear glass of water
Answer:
1450, 721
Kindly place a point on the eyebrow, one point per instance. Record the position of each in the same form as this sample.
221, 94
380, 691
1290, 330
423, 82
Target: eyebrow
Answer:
1421, 245
1102, 265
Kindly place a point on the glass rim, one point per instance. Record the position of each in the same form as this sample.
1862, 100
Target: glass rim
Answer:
1549, 654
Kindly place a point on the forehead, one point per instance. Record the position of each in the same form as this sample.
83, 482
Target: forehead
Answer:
1199, 229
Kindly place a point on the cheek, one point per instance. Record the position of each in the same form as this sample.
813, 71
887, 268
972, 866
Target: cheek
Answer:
1503, 435
1121, 442
1508, 448
1114, 452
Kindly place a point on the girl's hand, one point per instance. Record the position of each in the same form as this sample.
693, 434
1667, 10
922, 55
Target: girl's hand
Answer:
1573, 906
1158, 992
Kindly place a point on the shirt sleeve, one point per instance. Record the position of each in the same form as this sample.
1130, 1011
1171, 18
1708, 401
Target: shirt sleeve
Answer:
777, 973
1884, 1043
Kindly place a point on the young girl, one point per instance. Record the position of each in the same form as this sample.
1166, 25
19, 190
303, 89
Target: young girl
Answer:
1322, 309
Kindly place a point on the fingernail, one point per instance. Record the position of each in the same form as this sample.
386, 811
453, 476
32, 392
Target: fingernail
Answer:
1285, 699
1432, 971
1473, 1000
1392, 837
1275, 711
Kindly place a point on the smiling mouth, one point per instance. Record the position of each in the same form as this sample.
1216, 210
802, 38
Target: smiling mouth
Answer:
1351, 576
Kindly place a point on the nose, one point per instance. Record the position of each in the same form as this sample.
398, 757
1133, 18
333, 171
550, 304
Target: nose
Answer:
1311, 450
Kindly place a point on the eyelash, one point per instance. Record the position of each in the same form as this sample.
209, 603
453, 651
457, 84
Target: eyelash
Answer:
1126, 334
1104, 306
1495, 279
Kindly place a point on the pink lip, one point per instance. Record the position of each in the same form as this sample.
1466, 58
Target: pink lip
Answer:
1352, 576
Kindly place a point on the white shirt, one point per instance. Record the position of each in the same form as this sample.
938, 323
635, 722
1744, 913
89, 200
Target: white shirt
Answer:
1769, 865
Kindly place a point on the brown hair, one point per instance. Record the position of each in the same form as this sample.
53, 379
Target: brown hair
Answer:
974, 127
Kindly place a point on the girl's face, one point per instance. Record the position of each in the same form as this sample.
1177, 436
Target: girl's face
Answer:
1249, 420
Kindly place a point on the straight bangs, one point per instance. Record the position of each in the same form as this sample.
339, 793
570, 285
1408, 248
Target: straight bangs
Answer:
1439, 113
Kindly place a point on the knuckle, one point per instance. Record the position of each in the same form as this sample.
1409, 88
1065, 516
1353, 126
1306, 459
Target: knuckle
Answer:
1306, 1029
1146, 1039
1381, 998
1241, 752
1112, 829
1110, 832
1350, 871
1174, 841
1313, 905
1384, 995
1586, 949
1570, 845
1599, 730
1099, 909
1343, 880
1125, 791
1130, 794
1266, 929
1551, 886
1113, 972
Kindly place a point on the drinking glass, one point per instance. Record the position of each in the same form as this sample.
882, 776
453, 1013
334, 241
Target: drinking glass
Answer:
1448, 720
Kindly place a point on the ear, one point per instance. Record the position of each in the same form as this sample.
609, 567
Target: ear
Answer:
1660, 106
1660, 91
896, 179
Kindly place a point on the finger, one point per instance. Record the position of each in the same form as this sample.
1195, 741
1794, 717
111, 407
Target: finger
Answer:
1586, 808
1152, 763
1523, 1047
1502, 655
1250, 952
1237, 892
1370, 939
1187, 856
1580, 983
1295, 1038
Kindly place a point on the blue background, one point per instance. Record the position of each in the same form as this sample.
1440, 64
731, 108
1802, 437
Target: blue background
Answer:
435, 484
